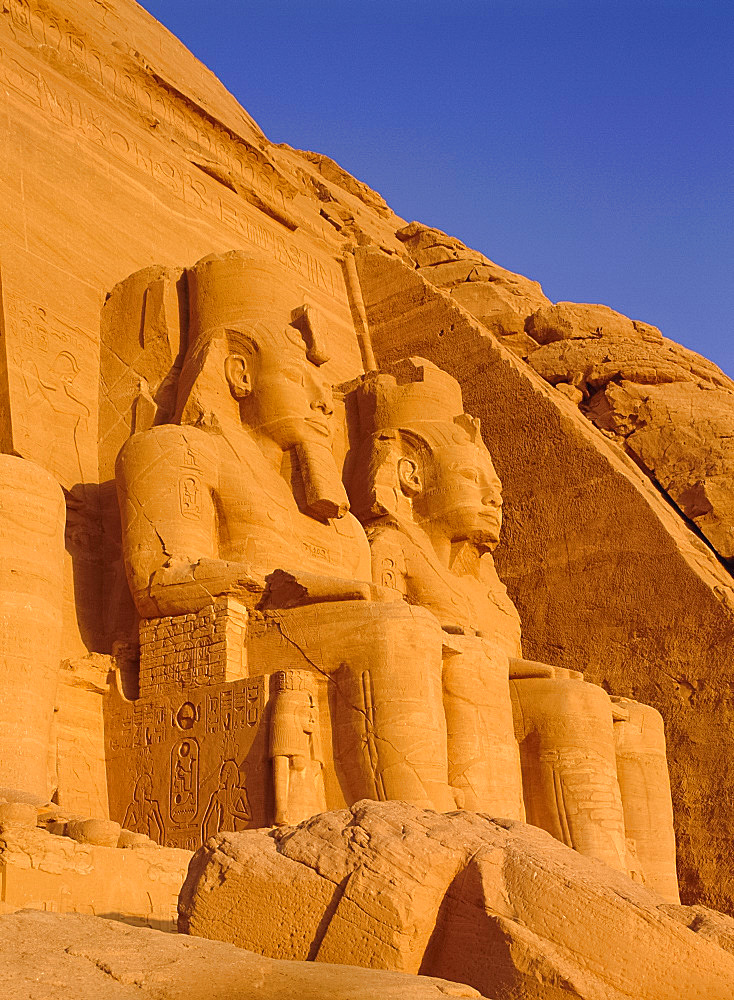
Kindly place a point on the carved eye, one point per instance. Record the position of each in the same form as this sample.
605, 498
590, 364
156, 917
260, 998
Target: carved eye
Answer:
470, 473
294, 375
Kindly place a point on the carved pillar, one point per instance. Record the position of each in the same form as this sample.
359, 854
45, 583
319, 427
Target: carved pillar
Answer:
32, 517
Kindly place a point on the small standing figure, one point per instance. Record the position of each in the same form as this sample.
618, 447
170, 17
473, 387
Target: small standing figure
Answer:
295, 749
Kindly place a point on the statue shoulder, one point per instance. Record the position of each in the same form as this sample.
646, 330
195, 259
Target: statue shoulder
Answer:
169, 446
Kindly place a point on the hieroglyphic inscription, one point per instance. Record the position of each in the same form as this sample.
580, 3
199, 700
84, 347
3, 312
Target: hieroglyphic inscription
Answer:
180, 650
182, 768
189, 488
184, 781
190, 186
149, 95
234, 708
183, 651
144, 725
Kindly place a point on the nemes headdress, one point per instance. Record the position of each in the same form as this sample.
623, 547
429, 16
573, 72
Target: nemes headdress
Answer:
243, 301
403, 394
413, 400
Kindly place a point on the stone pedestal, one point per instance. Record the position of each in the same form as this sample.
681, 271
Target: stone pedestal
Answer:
32, 517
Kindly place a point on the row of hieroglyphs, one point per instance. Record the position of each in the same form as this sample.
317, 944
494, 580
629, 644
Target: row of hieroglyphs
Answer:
151, 98
193, 190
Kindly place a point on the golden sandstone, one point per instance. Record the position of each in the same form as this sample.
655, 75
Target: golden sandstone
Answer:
336, 561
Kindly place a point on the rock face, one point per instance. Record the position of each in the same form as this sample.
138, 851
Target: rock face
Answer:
189, 350
45, 956
495, 904
672, 410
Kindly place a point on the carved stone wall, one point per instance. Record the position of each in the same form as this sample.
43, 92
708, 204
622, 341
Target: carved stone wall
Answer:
275, 672
189, 651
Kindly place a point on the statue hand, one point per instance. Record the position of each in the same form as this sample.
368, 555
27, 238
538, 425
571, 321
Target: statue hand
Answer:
520, 669
291, 590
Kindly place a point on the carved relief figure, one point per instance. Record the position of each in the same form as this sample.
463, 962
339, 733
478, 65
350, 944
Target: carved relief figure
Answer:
295, 749
228, 808
57, 404
143, 814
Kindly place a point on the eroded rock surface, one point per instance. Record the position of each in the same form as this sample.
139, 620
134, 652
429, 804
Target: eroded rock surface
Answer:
497, 904
499, 298
46, 956
671, 409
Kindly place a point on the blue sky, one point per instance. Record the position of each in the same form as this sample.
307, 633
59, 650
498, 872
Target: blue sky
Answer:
585, 143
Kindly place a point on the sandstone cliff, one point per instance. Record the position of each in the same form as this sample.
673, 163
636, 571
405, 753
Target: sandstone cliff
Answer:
121, 152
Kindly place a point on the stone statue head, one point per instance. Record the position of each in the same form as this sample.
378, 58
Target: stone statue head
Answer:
253, 361
251, 351
419, 458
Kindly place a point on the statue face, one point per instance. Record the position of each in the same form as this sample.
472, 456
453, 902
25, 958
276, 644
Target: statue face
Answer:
285, 396
462, 495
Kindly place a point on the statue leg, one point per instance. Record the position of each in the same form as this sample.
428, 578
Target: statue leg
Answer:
642, 770
384, 665
32, 517
483, 757
568, 761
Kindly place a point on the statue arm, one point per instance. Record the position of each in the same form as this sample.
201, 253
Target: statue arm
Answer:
286, 589
166, 478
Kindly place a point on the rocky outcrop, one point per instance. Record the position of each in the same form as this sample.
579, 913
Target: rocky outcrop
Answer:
497, 904
500, 299
671, 409
48, 956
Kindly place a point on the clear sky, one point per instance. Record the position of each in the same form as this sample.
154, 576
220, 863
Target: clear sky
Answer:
588, 144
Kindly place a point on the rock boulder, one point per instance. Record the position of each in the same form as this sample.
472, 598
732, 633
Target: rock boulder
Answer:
496, 904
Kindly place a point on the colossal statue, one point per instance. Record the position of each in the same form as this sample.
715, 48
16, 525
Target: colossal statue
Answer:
289, 664
423, 483
236, 529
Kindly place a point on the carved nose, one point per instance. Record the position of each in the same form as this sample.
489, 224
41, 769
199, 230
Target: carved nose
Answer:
321, 404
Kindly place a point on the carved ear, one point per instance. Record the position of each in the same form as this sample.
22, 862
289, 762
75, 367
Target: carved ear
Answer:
237, 372
409, 477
